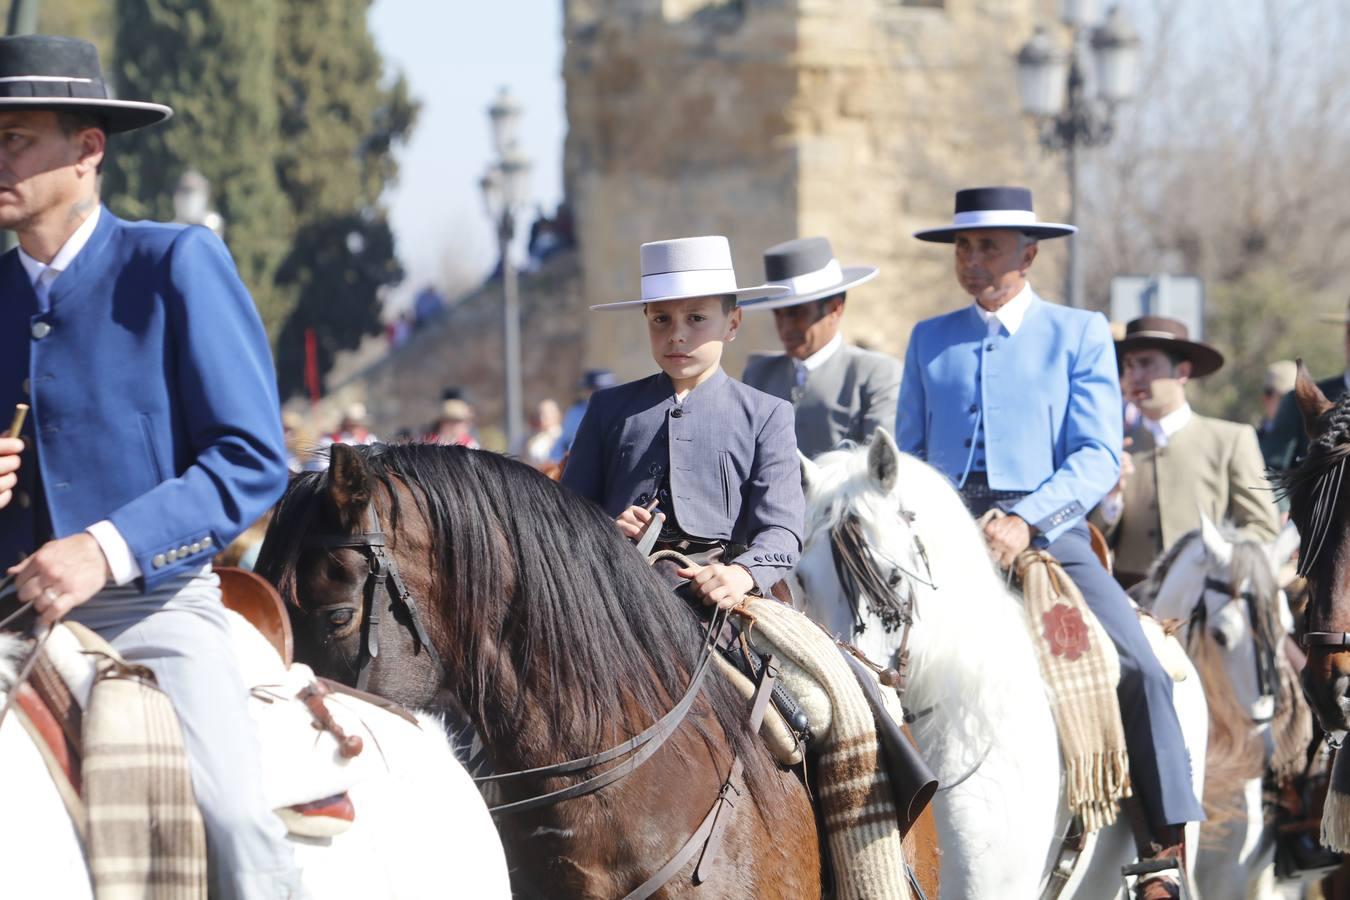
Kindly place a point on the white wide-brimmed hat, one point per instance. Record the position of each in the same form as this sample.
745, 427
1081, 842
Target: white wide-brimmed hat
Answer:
690, 267
994, 207
808, 269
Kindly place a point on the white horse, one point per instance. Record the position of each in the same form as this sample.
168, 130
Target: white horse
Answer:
421, 828
1215, 583
984, 720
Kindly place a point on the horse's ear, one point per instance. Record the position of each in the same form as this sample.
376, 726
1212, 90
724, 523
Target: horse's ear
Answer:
810, 471
883, 460
1311, 401
1217, 547
348, 486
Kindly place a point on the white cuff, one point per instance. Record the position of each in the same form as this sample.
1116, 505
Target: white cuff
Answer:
1111, 508
121, 561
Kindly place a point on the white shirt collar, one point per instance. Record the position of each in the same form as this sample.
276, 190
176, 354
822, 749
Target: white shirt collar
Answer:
65, 256
819, 358
1163, 429
1010, 314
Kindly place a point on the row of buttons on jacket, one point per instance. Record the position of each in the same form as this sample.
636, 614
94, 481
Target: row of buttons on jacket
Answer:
161, 560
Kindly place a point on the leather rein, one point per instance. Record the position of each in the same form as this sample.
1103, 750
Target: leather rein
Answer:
1267, 677
383, 578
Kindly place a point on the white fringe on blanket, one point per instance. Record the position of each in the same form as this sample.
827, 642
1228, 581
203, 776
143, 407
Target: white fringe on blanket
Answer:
862, 830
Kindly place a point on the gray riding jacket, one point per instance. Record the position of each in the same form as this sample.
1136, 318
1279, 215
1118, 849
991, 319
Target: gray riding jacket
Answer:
730, 453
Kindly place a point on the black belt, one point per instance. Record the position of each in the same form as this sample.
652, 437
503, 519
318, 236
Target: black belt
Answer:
977, 488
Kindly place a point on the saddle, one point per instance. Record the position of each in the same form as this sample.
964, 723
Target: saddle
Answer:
290, 705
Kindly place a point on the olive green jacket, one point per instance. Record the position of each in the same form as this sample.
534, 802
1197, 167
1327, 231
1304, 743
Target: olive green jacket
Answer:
1209, 465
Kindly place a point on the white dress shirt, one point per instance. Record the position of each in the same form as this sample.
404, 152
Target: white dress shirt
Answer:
1113, 504
804, 367
1010, 314
121, 561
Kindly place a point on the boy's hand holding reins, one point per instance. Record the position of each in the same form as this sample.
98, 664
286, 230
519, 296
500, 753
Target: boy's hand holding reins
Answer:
632, 520
724, 585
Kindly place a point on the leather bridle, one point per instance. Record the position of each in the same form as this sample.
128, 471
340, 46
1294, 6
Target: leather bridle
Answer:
382, 578
856, 566
1267, 675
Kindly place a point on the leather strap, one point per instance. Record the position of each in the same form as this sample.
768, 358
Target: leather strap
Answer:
707, 838
651, 740
1336, 640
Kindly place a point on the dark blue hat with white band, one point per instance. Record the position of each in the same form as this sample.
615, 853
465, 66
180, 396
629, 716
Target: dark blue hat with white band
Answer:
994, 207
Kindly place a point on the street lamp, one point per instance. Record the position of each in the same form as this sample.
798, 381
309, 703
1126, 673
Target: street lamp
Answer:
1072, 111
192, 202
504, 187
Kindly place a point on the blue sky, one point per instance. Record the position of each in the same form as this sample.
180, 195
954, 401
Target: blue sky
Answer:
456, 54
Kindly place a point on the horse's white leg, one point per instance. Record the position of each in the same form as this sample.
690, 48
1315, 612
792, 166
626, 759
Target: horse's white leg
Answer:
40, 854
994, 827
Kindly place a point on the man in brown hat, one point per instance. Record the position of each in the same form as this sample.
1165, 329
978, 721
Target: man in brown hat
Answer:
1184, 464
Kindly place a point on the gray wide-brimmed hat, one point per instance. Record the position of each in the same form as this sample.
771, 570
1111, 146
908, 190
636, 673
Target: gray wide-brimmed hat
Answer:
690, 267
39, 71
809, 270
994, 207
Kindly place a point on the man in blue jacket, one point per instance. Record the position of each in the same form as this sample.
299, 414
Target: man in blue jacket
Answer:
154, 437
1018, 402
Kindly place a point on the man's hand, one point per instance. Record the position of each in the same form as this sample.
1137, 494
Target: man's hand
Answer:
1007, 537
61, 575
633, 519
1126, 467
10, 448
725, 586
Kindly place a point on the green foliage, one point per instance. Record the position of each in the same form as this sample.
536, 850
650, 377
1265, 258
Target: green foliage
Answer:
338, 125
212, 61
284, 106
1256, 319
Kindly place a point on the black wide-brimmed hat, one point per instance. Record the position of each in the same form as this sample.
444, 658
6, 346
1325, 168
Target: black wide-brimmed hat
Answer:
807, 267
39, 71
994, 207
1170, 336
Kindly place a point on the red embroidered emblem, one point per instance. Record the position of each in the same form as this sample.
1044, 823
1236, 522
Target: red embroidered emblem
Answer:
1066, 631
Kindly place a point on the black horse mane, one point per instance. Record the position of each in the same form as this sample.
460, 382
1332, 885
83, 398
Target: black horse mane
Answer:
1315, 486
524, 563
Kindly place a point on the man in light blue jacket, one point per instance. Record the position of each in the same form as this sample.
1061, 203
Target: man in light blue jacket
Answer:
1018, 402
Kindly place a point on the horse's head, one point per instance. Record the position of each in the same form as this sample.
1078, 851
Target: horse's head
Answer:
329, 550
1224, 590
862, 558
1316, 490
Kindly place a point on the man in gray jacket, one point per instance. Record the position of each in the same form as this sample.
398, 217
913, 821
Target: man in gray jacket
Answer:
839, 391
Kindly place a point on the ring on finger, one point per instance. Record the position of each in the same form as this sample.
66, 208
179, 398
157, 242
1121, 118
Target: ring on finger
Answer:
50, 595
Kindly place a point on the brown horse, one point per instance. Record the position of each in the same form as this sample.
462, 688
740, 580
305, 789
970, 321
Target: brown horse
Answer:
1317, 490
513, 601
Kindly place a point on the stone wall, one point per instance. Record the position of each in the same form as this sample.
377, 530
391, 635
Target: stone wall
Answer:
463, 347
771, 119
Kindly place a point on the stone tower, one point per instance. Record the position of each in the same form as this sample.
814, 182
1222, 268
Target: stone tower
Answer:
766, 120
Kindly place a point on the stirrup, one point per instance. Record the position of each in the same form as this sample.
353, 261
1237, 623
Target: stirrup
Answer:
1144, 868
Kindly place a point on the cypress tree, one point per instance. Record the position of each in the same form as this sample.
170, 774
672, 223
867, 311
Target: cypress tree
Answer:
339, 119
213, 62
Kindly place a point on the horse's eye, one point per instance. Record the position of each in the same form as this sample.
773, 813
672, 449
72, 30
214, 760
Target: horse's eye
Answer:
340, 618
1220, 637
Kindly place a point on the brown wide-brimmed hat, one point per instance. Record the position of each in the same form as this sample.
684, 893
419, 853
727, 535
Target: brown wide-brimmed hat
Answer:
1171, 336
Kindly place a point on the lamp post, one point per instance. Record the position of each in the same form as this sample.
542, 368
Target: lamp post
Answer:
504, 189
192, 202
1074, 95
